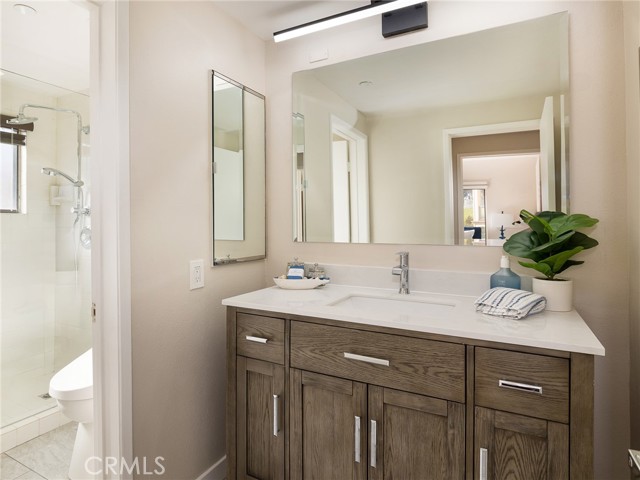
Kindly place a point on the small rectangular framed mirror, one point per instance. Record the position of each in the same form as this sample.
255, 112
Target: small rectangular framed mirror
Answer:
238, 170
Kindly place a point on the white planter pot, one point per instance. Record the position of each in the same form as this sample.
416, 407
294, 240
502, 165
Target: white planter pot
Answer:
559, 293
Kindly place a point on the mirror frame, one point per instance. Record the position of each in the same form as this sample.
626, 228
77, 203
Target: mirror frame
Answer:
262, 207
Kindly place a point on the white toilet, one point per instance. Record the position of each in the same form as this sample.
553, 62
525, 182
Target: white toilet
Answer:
72, 387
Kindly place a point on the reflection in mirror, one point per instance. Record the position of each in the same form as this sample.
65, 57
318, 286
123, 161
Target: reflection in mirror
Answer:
238, 172
427, 144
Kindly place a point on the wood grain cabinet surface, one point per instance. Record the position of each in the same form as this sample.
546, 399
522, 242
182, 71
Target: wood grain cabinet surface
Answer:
533, 385
416, 365
322, 399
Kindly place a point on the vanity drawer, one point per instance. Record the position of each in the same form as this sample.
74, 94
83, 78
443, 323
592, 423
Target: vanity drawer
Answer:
405, 363
528, 384
260, 337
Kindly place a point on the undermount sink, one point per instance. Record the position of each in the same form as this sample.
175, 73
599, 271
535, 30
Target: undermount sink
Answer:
395, 305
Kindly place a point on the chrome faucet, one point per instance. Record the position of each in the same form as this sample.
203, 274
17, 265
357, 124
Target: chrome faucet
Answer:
403, 271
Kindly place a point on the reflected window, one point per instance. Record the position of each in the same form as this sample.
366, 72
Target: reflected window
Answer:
11, 146
475, 217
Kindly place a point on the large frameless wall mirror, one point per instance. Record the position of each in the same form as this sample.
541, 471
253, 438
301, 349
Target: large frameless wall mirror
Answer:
440, 143
238, 172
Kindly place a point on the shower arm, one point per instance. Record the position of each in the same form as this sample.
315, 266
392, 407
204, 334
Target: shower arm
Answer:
62, 110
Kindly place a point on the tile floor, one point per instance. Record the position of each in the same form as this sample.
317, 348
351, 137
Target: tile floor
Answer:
45, 457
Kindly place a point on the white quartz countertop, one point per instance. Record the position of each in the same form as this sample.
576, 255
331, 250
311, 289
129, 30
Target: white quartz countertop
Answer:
453, 315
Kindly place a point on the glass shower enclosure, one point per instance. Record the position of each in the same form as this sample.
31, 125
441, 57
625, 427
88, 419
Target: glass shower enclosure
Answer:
45, 241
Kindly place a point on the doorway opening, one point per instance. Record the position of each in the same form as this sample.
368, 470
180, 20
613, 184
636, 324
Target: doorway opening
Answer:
350, 183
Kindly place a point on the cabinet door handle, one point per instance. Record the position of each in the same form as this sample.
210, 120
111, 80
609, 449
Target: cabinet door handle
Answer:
357, 440
276, 415
374, 435
523, 387
256, 339
363, 358
483, 463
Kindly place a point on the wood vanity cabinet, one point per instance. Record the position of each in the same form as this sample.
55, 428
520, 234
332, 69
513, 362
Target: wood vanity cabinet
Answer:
319, 399
521, 415
259, 392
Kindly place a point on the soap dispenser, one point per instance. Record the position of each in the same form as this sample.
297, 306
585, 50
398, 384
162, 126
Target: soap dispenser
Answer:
505, 277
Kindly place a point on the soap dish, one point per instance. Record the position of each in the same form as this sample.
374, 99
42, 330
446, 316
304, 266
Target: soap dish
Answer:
300, 284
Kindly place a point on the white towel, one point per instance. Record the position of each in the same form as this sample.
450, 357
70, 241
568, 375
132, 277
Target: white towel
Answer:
510, 303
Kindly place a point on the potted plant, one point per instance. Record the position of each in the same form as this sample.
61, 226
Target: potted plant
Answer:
549, 244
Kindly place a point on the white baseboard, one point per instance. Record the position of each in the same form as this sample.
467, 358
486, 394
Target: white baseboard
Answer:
217, 471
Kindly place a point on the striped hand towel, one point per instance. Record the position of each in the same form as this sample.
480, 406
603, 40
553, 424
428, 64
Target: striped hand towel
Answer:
510, 303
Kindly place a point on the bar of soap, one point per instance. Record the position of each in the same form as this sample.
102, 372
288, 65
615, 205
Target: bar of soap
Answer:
296, 272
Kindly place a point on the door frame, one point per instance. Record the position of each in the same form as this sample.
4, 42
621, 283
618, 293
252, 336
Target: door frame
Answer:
359, 182
447, 163
111, 246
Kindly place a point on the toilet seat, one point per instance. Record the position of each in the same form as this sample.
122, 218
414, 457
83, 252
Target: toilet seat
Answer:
75, 381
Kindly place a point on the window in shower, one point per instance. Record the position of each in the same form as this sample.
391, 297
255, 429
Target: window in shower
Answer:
11, 155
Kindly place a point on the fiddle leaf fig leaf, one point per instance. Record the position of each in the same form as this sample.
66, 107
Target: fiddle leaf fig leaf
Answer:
543, 268
537, 224
579, 239
560, 225
523, 244
548, 216
569, 263
553, 244
557, 261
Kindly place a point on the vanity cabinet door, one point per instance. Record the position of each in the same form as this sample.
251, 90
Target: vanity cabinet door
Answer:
414, 436
260, 420
328, 427
510, 446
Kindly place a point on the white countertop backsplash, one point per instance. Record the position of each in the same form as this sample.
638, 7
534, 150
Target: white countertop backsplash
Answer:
564, 331
435, 281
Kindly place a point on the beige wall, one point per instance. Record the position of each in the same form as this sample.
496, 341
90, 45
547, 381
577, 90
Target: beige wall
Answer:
407, 167
178, 336
632, 65
598, 177
317, 104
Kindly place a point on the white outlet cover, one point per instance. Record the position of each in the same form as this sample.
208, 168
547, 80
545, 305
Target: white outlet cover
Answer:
196, 274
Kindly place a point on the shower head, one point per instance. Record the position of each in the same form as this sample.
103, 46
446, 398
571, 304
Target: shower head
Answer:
53, 172
21, 119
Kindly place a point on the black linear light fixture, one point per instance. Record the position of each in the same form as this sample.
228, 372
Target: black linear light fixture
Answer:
376, 8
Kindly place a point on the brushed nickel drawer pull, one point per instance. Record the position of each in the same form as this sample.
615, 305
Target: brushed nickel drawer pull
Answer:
374, 435
483, 463
364, 358
276, 415
523, 387
357, 441
256, 339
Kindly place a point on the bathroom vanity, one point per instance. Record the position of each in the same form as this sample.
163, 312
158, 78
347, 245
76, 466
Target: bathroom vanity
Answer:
348, 382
